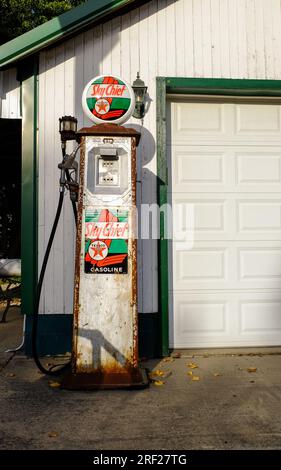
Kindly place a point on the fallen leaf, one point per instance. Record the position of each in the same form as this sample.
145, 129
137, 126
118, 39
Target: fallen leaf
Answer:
176, 355
192, 365
252, 369
158, 382
11, 374
217, 374
158, 373
53, 434
190, 372
54, 384
168, 359
252, 381
195, 378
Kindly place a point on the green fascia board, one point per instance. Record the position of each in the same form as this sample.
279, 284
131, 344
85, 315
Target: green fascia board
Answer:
56, 28
223, 86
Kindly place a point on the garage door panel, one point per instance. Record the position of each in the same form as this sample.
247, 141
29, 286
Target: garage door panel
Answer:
262, 265
257, 119
225, 169
262, 317
227, 122
223, 319
197, 169
255, 167
225, 266
202, 119
233, 217
209, 212
258, 219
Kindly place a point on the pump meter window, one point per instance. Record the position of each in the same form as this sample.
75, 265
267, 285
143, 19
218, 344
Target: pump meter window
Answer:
108, 172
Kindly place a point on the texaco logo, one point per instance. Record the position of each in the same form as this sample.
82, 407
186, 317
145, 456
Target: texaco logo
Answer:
108, 98
102, 106
98, 250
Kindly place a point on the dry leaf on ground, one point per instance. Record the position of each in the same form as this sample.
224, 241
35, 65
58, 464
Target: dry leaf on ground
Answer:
195, 378
217, 374
158, 382
192, 365
168, 359
158, 373
54, 384
252, 369
53, 434
10, 374
190, 372
176, 355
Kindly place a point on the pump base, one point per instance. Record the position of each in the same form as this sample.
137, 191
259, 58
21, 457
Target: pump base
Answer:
106, 381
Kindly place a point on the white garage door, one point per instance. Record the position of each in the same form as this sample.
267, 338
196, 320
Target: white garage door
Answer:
226, 163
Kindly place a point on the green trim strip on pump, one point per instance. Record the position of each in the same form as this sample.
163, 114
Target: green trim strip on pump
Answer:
189, 86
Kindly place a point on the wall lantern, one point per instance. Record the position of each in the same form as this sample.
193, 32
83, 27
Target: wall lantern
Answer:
68, 128
140, 91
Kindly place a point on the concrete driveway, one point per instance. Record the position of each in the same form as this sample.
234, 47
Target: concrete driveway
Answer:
235, 404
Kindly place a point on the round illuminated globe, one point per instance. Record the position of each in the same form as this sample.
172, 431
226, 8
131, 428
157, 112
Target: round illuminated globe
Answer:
108, 98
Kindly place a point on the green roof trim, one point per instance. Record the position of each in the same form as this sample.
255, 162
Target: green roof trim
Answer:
47, 33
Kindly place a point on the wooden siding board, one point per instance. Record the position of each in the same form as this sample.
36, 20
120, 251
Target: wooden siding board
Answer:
115, 44
233, 43
215, 38
58, 246
41, 173
179, 35
242, 39
268, 41
9, 94
50, 176
68, 217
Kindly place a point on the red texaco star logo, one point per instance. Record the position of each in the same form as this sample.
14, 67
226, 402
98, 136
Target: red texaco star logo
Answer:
98, 250
102, 106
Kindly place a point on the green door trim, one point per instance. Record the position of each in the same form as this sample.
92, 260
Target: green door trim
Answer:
28, 77
188, 86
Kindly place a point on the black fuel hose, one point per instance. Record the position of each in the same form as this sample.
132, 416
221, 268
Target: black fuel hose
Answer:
39, 289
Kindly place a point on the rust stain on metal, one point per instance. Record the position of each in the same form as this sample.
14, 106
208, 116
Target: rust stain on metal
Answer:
111, 366
134, 257
76, 305
108, 129
114, 368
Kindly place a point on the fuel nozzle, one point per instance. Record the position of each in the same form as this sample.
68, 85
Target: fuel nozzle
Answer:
69, 174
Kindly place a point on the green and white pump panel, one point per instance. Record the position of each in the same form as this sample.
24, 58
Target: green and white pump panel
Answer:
105, 338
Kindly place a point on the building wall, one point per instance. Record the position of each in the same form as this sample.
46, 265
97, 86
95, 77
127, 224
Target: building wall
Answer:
184, 38
9, 94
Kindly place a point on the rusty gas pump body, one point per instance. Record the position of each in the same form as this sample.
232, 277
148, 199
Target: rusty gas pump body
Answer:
105, 331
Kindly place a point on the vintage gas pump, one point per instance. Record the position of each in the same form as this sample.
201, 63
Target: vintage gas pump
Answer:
105, 334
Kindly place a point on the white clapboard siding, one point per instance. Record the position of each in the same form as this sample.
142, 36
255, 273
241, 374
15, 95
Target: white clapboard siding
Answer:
184, 38
9, 94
